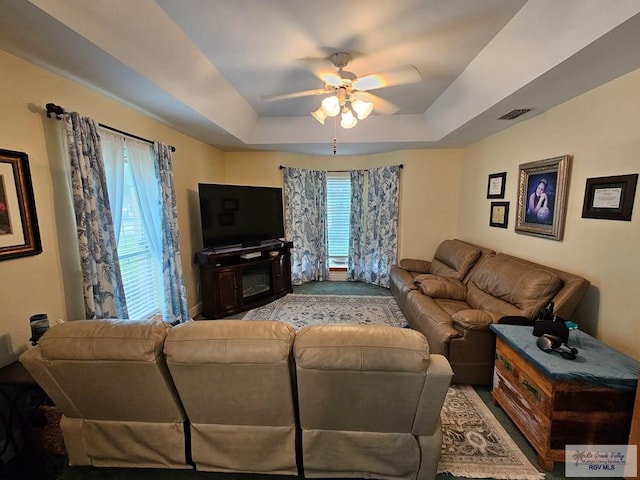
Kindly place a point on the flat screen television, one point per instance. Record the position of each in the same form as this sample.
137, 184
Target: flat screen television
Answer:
239, 215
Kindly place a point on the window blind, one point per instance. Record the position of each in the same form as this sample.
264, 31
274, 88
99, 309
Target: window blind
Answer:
338, 214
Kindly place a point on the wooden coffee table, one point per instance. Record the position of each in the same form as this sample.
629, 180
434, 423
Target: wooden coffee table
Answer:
557, 402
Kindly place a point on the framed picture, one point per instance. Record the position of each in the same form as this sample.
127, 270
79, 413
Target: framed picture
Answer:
610, 198
542, 197
499, 216
19, 234
495, 185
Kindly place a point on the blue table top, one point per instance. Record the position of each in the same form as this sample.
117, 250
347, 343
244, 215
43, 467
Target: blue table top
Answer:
596, 362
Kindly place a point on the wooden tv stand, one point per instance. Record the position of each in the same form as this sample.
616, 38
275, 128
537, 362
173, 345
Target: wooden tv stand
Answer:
236, 279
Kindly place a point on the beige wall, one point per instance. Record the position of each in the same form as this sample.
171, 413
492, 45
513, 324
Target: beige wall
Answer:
429, 187
600, 130
49, 282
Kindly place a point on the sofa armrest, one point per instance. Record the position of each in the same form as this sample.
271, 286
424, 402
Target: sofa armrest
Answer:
435, 286
436, 384
475, 319
415, 265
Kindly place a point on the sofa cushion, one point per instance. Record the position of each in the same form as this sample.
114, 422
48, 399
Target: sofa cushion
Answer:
475, 319
112, 339
358, 347
454, 259
441, 287
510, 287
415, 265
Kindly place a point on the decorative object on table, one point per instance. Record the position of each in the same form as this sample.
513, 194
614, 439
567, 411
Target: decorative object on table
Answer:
499, 216
475, 445
548, 322
496, 184
19, 234
550, 343
39, 325
553, 333
302, 310
542, 197
610, 198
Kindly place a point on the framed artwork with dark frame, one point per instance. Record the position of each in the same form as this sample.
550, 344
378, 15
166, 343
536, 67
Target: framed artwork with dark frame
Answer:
499, 216
610, 198
496, 184
542, 197
19, 233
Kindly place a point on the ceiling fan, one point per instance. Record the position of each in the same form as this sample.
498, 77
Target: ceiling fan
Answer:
349, 95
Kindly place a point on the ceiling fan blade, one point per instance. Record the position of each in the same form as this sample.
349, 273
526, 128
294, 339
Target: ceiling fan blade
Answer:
390, 78
285, 96
380, 105
331, 78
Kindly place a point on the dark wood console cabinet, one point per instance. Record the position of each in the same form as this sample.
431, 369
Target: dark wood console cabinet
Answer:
234, 280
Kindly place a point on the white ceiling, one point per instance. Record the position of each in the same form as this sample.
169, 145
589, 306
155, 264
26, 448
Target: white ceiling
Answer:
202, 66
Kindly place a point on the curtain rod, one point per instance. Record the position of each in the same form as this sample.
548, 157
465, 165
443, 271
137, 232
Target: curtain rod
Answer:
57, 111
282, 167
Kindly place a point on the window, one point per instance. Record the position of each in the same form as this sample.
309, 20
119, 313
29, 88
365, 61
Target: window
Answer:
139, 269
338, 218
139, 264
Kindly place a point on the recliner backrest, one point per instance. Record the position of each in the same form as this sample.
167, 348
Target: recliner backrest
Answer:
235, 381
110, 380
454, 258
366, 394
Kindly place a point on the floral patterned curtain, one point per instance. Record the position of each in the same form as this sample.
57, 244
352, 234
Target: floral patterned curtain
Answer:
374, 225
175, 298
102, 282
305, 211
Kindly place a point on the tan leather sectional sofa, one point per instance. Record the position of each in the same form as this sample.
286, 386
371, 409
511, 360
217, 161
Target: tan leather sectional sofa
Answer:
453, 299
246, 396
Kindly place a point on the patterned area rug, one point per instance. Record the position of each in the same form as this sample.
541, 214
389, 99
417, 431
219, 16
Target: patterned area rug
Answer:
301, 310
475, 445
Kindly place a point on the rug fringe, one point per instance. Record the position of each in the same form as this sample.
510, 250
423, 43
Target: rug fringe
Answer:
475, 474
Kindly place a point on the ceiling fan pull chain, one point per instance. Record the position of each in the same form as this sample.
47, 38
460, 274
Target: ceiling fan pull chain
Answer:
335, 134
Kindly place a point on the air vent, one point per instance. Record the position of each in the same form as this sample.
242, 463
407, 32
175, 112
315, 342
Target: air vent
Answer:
513, 114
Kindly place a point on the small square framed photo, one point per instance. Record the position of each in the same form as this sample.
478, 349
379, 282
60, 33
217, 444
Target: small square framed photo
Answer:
496, 184
499, 216
610, 198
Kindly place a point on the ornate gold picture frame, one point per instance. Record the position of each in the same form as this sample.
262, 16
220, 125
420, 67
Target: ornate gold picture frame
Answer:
542, 197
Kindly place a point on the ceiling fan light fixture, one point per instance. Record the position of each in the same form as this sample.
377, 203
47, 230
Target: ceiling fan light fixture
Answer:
363, 109
348, 120
331, 105
320, 115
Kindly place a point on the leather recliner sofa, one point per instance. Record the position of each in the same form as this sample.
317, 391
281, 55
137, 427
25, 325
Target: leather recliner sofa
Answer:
119, 406
223, 395
236, 384
454, 298
370, 401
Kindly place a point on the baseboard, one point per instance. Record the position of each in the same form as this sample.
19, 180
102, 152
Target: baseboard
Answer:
338, 276
195, 310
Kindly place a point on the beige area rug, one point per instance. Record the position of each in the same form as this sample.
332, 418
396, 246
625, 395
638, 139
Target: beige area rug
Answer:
302, 310
475, 445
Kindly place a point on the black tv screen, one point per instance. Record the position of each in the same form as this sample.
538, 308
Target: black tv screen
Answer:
239, 215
